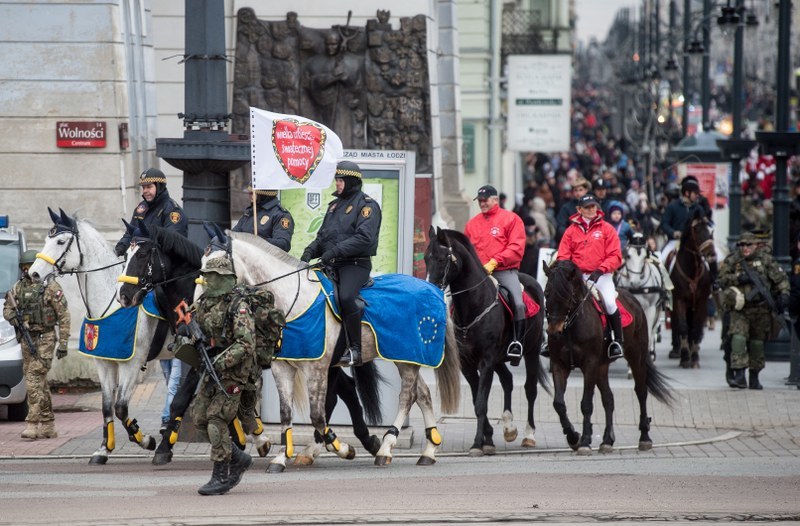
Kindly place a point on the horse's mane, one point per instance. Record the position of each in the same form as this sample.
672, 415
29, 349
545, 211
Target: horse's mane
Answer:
455, 235
267, 247
696, 213
177, 245
559, 279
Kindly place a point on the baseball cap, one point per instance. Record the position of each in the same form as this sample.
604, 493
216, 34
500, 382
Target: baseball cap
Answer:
587, 200
485, 192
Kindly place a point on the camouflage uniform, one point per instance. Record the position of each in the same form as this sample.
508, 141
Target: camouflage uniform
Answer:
43, 307
233, 336
751, 325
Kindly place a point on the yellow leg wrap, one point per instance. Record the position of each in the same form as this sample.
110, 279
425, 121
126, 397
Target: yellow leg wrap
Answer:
237, 427
259, 427
335, 442
137, 436
433, 435
288, 443
173, 436
110, 436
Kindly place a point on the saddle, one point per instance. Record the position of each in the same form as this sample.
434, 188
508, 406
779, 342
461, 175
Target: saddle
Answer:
531, 307
625, 316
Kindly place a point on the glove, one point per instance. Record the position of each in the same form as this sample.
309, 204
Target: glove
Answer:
62, 351
743, 278
594, 276
306, 257
327, 257
26, 326
13, 322
490, 266
676, 235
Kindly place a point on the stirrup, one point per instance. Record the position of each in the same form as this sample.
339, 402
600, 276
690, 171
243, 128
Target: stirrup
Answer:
514, 350
614, 350
350, 358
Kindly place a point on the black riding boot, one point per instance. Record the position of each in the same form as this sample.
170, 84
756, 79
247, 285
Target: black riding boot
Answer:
218, 485
739, 379
514, 351
352, 355
754, 383
615, 349
240, 462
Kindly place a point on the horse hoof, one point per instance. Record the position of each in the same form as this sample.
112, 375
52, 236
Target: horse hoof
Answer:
276, 468
528, 442
645, 445
489, 450
674, 354
98, 459
426, 461
151, 444
382, 460
510, 435
303, 460
159, 459
351, 454
583, 451
695, 365
685, 365
606, 448
373, 445
263, 451
475, 452
630, 374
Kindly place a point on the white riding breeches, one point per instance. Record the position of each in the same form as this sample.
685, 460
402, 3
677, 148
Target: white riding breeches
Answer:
605, 284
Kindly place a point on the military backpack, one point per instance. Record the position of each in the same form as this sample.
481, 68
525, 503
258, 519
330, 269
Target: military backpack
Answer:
269, 320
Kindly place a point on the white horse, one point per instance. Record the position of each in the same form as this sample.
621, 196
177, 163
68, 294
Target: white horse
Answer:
642, 278
73, 246
295, 288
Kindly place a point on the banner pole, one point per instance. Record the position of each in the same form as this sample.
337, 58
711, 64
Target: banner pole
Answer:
255, 213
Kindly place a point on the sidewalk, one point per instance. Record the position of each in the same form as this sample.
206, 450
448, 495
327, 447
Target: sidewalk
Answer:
708, 418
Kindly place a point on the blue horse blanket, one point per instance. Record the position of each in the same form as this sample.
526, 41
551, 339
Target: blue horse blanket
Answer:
407, 316
113, 337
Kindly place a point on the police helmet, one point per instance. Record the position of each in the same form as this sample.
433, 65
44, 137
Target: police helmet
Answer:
156, 177
218, 265
350, 173
28, 257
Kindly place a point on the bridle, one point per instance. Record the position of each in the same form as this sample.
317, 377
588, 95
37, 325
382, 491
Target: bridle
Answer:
573, 308
698, 255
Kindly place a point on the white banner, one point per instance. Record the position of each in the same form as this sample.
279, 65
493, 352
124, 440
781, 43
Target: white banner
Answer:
539, 100
288, 151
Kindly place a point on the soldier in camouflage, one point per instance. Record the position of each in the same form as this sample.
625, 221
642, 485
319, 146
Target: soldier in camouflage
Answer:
275, 223
43, 307
230, 330
751, 313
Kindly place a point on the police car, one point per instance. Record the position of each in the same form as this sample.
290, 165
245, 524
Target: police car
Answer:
12, 383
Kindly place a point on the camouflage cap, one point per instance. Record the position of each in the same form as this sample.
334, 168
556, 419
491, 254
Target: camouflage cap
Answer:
28, 257
748, 238
218, 265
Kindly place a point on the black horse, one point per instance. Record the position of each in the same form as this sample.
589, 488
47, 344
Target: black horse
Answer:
692, 281
577, 338
484, 330
168, 262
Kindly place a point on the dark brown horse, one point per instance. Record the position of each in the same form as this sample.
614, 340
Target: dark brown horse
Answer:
692, 281
483, 331
577, 338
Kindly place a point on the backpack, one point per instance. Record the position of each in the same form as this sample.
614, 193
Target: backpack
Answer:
270, 321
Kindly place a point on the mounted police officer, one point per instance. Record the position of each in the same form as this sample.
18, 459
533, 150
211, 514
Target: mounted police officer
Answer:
275, 223
677, 215
345, 242
156, 208
228, 325
42, 307
754, 289
499, 239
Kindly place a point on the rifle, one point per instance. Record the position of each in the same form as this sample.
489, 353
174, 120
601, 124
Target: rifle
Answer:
18, 317
761, 288
200, 343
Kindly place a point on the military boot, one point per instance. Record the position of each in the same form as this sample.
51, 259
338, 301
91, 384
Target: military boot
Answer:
218, 485
739, 380
30, 431
754, 383
240, 462
615, 348
47, 430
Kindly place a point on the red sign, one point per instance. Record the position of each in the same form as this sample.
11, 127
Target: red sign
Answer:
706, 175
71, 134
297, 147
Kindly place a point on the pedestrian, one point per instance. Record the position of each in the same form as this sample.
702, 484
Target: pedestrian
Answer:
499, 239
345, 243
616, 213
568, 209
229, 327
275, 223
36, 308
755, 289
593, 245
158, 209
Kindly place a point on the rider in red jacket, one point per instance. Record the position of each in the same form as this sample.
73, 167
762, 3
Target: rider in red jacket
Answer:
593, 245
499, 239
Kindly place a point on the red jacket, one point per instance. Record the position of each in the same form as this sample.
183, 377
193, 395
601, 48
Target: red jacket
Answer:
498, 234
595, 248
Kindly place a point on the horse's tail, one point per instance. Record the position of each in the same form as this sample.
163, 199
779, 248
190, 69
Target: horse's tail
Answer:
657, 383
300, 392
448, 375
541, 375
368, 380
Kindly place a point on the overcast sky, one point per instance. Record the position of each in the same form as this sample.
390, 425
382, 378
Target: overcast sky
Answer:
595, 16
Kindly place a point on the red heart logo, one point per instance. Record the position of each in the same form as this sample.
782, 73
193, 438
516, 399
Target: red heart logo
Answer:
298, 146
